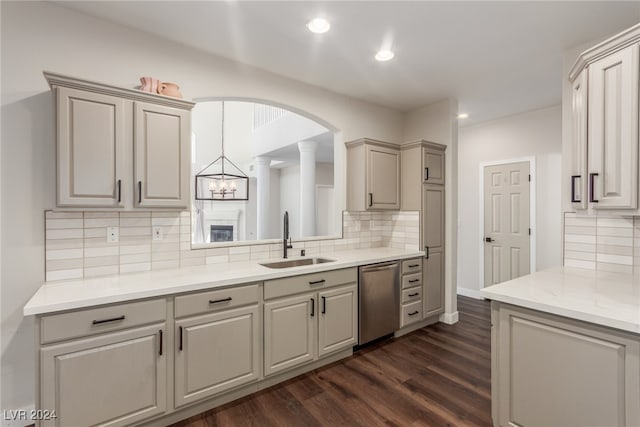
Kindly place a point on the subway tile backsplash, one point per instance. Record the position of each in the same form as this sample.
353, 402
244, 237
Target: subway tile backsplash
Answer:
602, 243
76, 243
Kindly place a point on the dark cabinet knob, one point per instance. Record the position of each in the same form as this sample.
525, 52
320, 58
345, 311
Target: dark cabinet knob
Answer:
488, 239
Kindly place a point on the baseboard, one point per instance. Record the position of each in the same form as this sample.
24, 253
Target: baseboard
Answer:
17, 417
471, 293
449, 318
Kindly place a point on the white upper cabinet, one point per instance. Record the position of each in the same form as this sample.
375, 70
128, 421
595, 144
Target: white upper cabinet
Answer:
120, 148
373, 175
604, 153
433, 166
579, 142
613, 130
91, 149
162, 147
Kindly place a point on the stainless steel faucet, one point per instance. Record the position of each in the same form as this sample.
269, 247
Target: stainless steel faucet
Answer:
286, 245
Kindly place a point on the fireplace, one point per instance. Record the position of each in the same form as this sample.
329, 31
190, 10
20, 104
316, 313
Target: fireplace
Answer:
221, 233
223, 225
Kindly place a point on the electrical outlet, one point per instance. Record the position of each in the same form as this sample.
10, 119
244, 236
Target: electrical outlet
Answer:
157, 233
113, 234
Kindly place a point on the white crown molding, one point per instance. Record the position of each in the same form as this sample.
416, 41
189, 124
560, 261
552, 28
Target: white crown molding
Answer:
370, 141
423, 143
55, 80
618, 42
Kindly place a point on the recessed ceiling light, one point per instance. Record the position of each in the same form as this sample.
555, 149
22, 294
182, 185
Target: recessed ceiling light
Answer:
463, 116
384, 55
318, 25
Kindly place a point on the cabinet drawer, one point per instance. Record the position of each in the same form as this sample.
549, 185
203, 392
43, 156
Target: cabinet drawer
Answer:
411, 313
411, 280
219, 299
309, 282
412, 265
411, 295
74, 324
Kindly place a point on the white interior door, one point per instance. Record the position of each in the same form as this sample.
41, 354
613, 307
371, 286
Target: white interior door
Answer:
506, 222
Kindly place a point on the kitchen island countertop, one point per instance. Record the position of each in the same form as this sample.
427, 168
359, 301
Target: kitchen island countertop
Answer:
603, 298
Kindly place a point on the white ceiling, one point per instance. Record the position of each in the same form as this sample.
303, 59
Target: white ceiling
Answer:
496, 58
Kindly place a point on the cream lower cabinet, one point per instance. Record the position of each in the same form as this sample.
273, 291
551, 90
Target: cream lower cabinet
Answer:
302, 327
337, 319
113, 379
290, 332
552, 371
411, 294
216, 352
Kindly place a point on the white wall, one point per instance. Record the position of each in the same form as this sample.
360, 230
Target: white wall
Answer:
537, 133
44, 36
438, 122
290, 192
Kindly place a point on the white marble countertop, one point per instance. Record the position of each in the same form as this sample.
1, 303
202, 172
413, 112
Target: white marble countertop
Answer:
68, 295
608, 299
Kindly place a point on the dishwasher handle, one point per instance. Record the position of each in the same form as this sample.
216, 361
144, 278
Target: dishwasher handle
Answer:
379, 267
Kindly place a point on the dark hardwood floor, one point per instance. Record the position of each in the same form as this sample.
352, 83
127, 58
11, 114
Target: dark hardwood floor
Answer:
437, 376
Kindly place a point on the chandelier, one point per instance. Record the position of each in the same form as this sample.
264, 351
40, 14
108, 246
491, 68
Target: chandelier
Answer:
222, 180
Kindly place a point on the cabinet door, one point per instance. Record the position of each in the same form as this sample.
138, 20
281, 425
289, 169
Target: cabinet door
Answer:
556, 372
216, 352
433, 284
433, 217
91, 146
613, 130
337, 322
115, 379
382, 178
433, 172
162, 146
289, 332
578, 177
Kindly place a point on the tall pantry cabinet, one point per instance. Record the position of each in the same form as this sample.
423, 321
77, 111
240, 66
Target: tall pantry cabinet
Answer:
423, 179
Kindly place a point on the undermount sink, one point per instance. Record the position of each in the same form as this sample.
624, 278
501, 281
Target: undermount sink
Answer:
296, 262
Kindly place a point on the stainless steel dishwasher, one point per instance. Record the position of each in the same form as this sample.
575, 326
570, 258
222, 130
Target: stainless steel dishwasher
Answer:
378, 301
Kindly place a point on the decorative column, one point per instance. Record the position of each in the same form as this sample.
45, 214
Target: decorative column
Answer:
263, 176
307, 188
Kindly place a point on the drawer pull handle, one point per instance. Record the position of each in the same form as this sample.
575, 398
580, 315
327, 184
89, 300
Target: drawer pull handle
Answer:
414, 280
180, 341
313, 307
413, 313
317, 282
414, 265
414, 295
216, 301
160, 352
113, 319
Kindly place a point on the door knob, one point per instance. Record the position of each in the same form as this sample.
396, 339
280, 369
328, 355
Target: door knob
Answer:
488, 239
